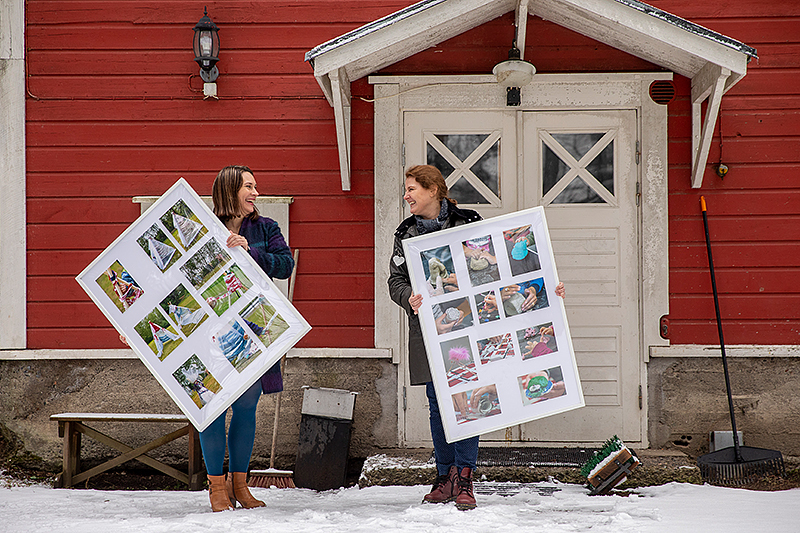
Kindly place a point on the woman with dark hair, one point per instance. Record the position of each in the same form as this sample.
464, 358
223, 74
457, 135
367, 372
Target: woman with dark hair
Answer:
432, 210
234, 193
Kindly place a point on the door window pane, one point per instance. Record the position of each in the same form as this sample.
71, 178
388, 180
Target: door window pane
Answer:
578, 192
436, 159
602, 167
554, 169
577, 144
487, 169
462, 145
465, 193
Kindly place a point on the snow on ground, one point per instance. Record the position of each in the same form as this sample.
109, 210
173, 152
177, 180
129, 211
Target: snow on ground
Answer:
549, 507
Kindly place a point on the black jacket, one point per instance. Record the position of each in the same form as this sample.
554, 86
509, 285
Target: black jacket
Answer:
400, 289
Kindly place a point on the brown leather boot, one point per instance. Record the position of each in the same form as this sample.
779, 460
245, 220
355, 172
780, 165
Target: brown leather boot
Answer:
444, 488
229, 487
218, 494
242, 493
465, 499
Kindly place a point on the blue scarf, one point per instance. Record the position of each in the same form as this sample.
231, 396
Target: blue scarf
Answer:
435, 224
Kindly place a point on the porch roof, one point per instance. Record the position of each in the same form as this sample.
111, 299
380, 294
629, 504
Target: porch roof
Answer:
711, 60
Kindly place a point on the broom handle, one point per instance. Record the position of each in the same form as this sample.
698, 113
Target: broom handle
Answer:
736, 450
278, 396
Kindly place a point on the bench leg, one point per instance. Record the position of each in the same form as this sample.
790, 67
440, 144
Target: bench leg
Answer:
195, 459
71, 454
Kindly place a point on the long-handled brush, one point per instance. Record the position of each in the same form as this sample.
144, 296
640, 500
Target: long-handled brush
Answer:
735, 465
271, 477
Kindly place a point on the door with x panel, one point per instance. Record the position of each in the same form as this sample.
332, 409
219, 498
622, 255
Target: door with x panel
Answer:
581, 166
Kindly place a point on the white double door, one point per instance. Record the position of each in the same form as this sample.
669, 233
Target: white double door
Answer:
580, 165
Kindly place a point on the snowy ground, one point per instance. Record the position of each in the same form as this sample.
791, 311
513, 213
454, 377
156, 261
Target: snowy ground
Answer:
549, 507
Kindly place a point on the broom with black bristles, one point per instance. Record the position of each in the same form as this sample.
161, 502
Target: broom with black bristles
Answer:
272, 477
735, 465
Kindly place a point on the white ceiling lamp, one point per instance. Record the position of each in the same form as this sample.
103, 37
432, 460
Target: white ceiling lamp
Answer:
513, 74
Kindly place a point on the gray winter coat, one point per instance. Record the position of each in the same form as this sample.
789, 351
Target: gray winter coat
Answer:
400, 289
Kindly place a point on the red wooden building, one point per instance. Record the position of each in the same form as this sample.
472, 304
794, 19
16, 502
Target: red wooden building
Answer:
328, 101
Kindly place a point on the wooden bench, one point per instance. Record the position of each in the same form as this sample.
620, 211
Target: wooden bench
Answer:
71, 425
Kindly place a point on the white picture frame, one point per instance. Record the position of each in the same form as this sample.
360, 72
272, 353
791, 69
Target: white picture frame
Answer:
494, 366
204, 318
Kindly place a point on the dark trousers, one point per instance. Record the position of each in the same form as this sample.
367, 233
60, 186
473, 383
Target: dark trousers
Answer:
462, 453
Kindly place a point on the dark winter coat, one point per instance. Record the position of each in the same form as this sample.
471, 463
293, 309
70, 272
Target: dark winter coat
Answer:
269, 249
400, 289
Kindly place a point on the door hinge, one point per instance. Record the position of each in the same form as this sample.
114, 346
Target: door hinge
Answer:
403, 156
638, 193
640, 398
405, 399
638, 153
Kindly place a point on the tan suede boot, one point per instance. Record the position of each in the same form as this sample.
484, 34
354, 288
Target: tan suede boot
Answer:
229, 486
218, 494
242, 493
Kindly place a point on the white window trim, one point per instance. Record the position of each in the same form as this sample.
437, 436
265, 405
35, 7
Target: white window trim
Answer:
738, 351
13, 319
126, 353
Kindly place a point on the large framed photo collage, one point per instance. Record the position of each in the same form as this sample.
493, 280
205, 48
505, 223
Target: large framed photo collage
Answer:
204, 318
496, 333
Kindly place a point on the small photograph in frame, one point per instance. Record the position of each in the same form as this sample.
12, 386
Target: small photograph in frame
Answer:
206, 262
183, 310
495, 348
226, 289
476, 404
481, 260
261, 317
437, 263
458, 361
524, 296
195, 379
486, 304
119, 286
235, 344
537, 341
157, 245
159, 334
536, 387
183, 224
521, 249
452, 316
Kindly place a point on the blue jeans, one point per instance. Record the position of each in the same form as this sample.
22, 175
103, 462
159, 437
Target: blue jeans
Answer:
462, 453
241, 435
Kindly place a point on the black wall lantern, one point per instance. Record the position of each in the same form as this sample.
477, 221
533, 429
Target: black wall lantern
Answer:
206, 47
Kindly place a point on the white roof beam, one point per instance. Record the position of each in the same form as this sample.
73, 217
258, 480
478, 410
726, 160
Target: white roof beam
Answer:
340, 91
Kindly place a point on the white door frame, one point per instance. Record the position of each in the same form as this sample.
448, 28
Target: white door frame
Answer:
548, 92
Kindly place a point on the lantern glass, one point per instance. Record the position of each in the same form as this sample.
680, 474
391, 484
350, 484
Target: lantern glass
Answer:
205, 44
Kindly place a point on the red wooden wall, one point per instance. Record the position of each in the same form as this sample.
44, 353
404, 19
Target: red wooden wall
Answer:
114, 112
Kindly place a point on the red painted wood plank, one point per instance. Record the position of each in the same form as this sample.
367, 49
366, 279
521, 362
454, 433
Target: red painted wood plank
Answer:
332, 287
337, 209
735, 306
165, 62
320, 234
71, 210
336, 260
764, 332
162, 134
56, 288
753, 255
751, 280
741, 229
780, 102
339, 337
172, 87
73, 236
186, 14
748, 177
255, 109
744, 124
691, 9
179, 159
342, 313
59, 262
756, 31
780, 203
751, 150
